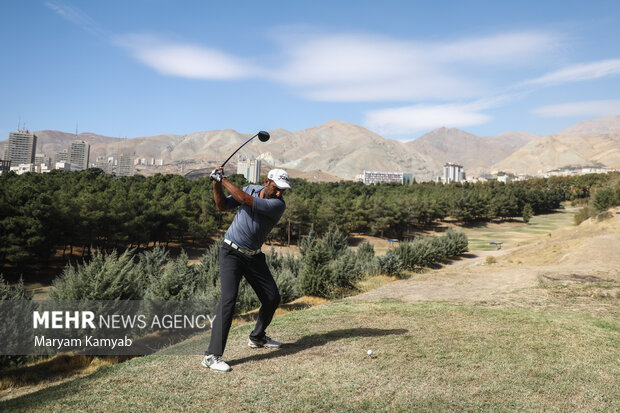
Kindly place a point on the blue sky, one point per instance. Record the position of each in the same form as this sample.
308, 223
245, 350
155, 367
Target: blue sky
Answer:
400, 68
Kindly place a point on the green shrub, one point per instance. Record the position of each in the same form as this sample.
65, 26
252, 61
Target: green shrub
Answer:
315, 277
288, 285
391, 264
151, 263
527, 213
419, 252
105, 277
422, 252
177, 281
289, 262
584, 214
17, 292
308, 242
457, 242
606, 198
345, 271
274, 260
604, 216
369, 265
336, 242
11, 335
365, 252
208, 271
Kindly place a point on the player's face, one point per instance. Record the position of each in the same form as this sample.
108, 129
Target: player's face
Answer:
272, 191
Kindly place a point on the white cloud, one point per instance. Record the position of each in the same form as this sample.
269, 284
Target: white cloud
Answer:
594, 108
344, 67
500, 48
578, 72
185, 60
75, 16
428, 86
373, 68
411, 119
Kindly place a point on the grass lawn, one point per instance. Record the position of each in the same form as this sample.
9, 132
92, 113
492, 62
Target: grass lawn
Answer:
519, 232
429, 356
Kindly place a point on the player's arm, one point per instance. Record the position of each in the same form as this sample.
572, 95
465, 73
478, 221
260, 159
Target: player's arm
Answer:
219, 197
223, 202
238, 194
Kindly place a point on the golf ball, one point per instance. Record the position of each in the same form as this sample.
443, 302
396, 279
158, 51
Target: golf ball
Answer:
369, 352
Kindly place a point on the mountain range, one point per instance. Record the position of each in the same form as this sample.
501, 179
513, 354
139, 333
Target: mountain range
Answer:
342, 150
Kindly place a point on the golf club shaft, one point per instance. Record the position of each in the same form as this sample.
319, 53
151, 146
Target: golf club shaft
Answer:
233, 154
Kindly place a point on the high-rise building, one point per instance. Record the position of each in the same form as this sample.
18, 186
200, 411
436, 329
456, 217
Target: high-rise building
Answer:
22, 147
125, 164
78, 155
61, 157
453, 173
41, 158
5, 166
104, 163
250, 169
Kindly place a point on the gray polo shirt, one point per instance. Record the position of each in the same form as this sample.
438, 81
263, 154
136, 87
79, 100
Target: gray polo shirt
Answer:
251, 226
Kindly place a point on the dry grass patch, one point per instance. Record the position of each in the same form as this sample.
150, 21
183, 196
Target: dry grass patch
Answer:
53, 369
429, 356
302, 303
374, 282
571, 285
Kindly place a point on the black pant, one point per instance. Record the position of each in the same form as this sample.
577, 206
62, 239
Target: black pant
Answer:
234, 265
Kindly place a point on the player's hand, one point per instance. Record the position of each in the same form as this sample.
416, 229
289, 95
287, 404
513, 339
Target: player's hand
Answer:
217, 174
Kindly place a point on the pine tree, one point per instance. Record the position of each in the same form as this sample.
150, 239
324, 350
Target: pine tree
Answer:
528, 213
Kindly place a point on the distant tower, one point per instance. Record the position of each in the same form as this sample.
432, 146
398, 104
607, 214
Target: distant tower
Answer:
125, 164
453, 173
250, 169
22, 147
61, 157
78, 155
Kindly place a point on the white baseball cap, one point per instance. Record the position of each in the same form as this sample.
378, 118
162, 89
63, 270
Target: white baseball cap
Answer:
280, 177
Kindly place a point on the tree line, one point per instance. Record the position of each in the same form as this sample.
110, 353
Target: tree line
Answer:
41, 213
397, 211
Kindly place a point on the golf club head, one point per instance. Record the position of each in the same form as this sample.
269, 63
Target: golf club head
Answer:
263, 136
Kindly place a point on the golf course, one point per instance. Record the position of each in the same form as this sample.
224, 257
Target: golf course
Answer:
532, 326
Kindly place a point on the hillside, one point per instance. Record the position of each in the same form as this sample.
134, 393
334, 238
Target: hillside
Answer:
336, 148
556, 151
50, 141
475, 153
593, 127
345, 150
341, 150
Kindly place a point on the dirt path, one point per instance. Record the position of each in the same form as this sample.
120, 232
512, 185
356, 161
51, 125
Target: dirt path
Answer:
588, 252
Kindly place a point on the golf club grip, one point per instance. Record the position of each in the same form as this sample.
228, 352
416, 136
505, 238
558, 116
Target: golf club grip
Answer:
233, 154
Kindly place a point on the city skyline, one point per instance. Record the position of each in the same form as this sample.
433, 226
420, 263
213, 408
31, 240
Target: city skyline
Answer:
400, 69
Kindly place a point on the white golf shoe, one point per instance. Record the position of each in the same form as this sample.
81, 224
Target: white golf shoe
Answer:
215, 363
266, 342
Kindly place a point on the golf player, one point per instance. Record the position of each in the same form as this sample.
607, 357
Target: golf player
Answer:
259, 209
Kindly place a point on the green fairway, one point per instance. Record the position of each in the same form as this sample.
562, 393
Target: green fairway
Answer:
430, 356
513, 233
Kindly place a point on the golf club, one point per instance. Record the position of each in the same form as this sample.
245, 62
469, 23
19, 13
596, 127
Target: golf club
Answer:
262, 136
